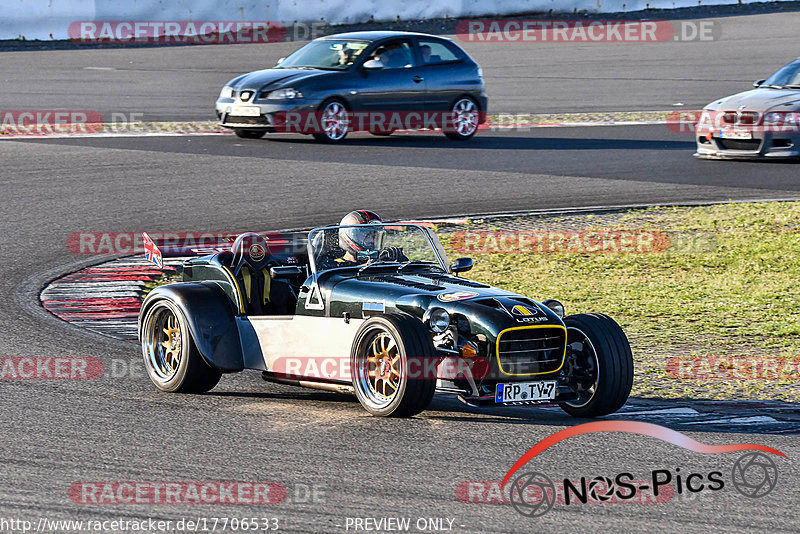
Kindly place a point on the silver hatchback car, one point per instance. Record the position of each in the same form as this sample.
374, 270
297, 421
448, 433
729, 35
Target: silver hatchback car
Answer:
374, 81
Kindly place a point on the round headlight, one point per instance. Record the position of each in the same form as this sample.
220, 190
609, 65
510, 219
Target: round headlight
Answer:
555, 306
437, 319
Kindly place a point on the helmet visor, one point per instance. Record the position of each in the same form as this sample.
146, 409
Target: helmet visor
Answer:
366, 238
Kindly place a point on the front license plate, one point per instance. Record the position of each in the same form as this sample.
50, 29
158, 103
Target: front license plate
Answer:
735, 134
525, 391
245, 111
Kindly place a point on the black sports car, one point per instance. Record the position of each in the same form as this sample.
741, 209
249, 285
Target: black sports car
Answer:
393, 325
375, 81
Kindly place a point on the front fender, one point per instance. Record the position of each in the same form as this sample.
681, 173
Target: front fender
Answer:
210, 318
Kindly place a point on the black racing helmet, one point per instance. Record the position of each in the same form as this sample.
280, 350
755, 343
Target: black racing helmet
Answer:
356, 239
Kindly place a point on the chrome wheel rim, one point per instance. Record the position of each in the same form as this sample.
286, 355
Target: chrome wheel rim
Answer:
583, 364
163, 344
335, 123
379, 374
465, 117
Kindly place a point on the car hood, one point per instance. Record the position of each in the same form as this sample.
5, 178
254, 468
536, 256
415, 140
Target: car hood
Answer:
489, 309
261, 79
759, 100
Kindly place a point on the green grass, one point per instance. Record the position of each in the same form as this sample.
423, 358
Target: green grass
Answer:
731, 289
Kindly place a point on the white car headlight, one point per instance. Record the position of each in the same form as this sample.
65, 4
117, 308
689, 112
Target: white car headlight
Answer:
285, 94
437, 319
227, 92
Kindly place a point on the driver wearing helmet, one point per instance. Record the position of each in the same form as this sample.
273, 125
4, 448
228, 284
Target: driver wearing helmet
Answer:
360, 242
356, 241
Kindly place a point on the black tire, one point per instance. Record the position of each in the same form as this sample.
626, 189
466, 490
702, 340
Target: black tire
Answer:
193, 374
613, 377
324, 137
247, 133
412, 394
452, 130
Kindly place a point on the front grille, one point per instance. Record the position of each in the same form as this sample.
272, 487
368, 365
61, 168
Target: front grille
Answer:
740, 144
257, 121
531, 350
741, 118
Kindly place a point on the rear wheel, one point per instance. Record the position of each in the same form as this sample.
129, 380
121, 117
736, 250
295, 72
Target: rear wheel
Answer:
246, 133
170, 356
464, 119
391, 361
599, 364
333, 122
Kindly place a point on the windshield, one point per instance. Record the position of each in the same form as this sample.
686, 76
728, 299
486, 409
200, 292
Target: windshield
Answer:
373, 244
788, 75
333, 54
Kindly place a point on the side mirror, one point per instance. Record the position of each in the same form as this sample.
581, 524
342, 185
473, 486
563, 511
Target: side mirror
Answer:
461, 265
280, 60
759, 83
287, 271
373, 64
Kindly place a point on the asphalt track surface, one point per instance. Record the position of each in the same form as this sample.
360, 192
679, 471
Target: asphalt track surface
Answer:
56, 433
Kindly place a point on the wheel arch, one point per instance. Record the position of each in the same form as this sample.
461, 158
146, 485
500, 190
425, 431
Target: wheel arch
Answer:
210, 319
467, 95
347, 104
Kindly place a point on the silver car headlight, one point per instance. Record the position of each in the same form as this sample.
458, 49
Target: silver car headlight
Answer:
555, 306
437, 319
774, 118
287, 93
227, 92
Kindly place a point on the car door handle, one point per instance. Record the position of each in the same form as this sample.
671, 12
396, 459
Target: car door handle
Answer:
418, 78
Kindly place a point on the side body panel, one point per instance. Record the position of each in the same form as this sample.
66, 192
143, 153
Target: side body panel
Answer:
312, 347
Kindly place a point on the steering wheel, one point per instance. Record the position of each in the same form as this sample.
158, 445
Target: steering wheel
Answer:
392, 254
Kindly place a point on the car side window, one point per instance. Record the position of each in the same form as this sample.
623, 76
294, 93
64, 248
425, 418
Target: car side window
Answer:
395, 55
433, 52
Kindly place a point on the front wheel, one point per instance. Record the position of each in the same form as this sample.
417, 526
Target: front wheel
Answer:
599, 364
246, 133
334, 122
464, 118
392, 363
170, 356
